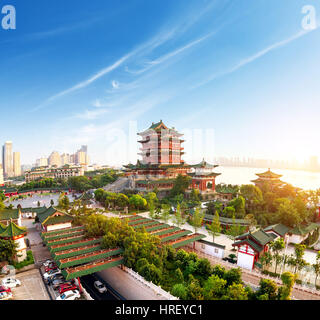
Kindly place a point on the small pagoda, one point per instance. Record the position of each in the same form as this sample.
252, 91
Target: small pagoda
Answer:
17, 234
203, 177
268, 178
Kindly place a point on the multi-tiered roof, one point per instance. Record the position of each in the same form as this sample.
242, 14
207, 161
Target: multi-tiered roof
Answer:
12, 231
268, 177
204, 169
161, 145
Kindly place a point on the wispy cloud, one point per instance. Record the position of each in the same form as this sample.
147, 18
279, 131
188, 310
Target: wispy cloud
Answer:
142, 50
254, 57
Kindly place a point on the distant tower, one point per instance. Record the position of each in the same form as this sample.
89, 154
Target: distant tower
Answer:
16, 164
7, 160
54, 159
1, 176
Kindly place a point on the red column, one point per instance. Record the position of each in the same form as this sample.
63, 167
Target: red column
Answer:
80, 288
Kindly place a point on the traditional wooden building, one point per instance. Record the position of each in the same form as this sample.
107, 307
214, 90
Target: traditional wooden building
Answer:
6, 215
204, 177
278, 231
268, 178
162, 162
54, 219
17, 234
251, 246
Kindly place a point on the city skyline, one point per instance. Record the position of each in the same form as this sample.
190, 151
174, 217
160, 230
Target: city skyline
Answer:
65, 91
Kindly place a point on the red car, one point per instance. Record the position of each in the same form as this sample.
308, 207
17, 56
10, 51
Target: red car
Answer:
54, 267
4, 289
66, 287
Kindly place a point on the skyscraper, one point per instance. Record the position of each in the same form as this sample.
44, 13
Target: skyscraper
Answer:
1, 176
54, 159
7, 160
16, 164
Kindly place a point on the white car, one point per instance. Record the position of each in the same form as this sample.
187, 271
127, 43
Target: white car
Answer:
100, 286
69, 295
51, 273
47, 262
11, 282
5, 295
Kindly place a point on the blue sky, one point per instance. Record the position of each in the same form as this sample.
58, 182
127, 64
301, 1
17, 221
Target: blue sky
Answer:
244, 74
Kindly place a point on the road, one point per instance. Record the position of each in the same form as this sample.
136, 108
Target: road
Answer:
88, 281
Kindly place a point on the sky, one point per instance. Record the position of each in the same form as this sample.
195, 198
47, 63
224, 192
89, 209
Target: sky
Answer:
238, 78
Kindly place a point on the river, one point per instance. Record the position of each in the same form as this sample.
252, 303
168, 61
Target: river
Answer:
242, 175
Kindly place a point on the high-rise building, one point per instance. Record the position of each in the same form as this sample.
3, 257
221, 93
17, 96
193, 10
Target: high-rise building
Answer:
81, 158
65, 159
54, 159
7, 160
16, 164
1, 176
84, 148
42, 162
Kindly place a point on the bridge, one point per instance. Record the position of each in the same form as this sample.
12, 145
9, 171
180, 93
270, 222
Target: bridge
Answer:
77, 255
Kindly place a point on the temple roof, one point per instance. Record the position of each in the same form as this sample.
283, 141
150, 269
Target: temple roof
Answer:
158, 125
204, 164
36, 210
269, 175
259, 235
7, 214
12, 230
140, 165
278, 228
46, 217
2, 228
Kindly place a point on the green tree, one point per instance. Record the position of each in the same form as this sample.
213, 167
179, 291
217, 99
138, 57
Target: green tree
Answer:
165, 213
180, 290
266, 259
269, 288
316, 267
178, 219
180, 185
197, 219
215, 227
214, 288
285, 290
277, 246
8, 249
234, 230
236, 291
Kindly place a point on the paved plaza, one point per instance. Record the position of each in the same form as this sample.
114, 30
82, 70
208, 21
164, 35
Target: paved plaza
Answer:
45, 200
32, 286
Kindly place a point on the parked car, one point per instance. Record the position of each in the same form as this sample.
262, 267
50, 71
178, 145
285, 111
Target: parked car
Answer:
47, 262
4, 289
57, 283
51, 273
55, 277
52, 267
69, 295
100, 286
11, 282
5, 295
66, 287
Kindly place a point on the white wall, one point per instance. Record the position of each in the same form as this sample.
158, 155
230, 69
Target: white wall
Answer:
245, 260
59, 226
209, 249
